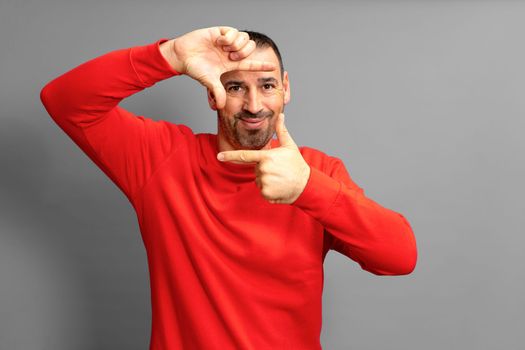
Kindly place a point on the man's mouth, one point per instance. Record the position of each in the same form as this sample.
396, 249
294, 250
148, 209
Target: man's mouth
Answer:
252, 120
252, 123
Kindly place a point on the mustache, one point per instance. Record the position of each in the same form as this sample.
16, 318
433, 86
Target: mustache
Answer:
249, 115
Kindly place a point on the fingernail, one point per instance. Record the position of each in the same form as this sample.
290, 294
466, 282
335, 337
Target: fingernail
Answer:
234, 55
220, 156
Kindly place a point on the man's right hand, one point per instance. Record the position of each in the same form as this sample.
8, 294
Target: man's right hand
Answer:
205, 54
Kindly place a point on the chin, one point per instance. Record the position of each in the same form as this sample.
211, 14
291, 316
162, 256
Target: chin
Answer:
253, 142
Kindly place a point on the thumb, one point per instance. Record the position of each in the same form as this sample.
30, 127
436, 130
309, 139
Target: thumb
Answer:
218, 94
282, 133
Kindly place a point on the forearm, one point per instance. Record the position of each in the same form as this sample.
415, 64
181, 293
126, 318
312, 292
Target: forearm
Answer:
379, 239
85, 94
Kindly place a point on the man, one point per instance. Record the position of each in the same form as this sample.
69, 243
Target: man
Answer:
235, 246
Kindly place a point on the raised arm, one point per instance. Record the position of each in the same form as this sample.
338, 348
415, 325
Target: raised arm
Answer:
84, 101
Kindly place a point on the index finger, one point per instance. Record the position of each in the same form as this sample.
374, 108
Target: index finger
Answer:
255, 65
245, 156
228, 35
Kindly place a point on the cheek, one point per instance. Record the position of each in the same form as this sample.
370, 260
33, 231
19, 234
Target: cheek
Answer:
233, 104
229, 110
276, 99
276, 104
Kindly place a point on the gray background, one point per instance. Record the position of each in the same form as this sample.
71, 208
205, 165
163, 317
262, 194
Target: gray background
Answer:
422, 101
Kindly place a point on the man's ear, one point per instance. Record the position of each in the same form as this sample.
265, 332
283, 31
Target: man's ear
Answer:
211, 100
286, 87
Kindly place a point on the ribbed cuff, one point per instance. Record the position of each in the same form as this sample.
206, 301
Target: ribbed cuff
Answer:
319, 195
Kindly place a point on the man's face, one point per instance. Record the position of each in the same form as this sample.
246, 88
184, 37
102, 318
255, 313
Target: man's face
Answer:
254, 100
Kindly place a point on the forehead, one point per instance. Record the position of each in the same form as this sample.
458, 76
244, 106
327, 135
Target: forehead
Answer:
260, 54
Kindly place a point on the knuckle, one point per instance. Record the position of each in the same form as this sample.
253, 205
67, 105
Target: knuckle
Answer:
270, 157
265, 183
245, 49
242, 52
242, 156
262, 168
266, 193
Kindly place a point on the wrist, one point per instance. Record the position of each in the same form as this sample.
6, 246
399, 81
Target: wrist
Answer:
305, 176
168, 52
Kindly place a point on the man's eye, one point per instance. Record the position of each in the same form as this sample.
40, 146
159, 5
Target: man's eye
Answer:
234, 88
268, 86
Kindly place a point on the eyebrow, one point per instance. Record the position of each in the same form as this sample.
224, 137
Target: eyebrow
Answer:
259, 80
268, 80
233, 82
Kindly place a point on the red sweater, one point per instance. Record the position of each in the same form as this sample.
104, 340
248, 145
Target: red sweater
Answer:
228, 270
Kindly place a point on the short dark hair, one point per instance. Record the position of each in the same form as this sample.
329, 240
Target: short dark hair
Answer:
263, 41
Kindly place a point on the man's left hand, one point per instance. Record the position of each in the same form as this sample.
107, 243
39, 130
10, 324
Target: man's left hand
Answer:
281, 173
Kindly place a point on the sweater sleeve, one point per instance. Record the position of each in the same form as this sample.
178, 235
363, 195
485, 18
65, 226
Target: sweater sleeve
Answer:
379, 239
84, 103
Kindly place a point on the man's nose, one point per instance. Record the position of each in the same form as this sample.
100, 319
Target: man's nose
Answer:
252, 102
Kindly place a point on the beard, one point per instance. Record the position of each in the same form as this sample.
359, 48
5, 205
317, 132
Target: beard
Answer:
242, 138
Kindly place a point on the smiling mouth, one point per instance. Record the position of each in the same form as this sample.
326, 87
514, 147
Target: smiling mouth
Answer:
252, 120
252, 123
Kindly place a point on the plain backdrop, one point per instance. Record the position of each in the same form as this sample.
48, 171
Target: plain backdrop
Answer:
422, 100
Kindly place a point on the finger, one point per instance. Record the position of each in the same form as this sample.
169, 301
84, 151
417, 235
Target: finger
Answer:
224, 29
238, 42
245, 156
243, 52
258, 171
228, 36
219, 94
253, 65
284, 137
258, 183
